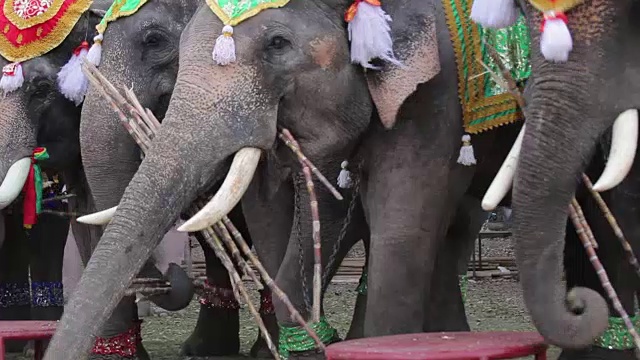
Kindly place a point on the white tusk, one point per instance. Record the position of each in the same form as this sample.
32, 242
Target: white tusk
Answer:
501, 184
624, 141
234, 186
99, 218
14, 181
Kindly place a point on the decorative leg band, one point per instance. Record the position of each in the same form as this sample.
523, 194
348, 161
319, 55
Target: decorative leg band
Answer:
362, 284
218, 298
617, 337
14, 294
46, 294
124, 345
296, 338
266, 303
463, 281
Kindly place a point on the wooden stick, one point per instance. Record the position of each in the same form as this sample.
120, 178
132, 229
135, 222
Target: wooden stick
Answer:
602, 274
139, 281
317, 244
587, 229
58, 198
291, 142
631, 256
222, 232
147, 291
295, 315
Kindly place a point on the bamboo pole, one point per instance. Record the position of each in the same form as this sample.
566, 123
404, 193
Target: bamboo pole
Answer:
601, 272
317, 244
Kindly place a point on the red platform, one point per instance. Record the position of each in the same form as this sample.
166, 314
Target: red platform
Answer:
26, 330
442, 346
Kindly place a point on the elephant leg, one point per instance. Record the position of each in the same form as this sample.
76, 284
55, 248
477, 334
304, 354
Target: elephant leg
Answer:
218, 326
268, 220
445, 307
356, 330
15, 303
615, 344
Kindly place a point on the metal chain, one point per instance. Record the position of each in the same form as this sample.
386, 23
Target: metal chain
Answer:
343, 231
297, 179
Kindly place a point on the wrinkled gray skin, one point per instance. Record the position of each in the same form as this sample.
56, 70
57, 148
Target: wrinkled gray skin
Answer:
292, 66
38, 115
569, 107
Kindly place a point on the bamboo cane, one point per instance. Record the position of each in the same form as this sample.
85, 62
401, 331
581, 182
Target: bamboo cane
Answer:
631, 257
317, 245
228, 241
602, 274
587, 229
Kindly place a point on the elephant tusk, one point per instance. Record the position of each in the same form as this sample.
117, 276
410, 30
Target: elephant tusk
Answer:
624, 141
98, 218
501, 184
233, 188
14, 181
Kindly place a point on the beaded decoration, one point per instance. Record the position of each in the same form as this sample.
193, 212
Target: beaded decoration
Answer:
266, 303
14, 294
362, 284
46, 294
617, 337
296, 338
124, 345
218, 298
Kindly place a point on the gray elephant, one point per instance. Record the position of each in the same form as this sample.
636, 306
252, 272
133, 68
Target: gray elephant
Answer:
293, 69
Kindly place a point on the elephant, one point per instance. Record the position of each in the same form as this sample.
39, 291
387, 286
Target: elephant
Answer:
293, 71
38, 114
569, 107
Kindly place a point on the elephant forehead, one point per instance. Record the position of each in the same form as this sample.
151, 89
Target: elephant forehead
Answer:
323, 51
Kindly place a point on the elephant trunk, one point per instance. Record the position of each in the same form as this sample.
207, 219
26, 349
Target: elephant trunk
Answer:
559, 138
182, 163
17, 141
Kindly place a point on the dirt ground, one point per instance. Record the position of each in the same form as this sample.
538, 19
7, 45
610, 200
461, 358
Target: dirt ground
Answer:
492, 304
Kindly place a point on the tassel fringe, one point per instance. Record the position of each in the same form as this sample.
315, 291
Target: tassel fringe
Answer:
369, 33
94, 56
12, 77
224, 52
555, 42
495, 14
344, 178
466, 157
72, 82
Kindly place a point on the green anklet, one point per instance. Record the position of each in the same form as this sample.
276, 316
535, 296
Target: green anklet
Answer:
617, 337
296, 338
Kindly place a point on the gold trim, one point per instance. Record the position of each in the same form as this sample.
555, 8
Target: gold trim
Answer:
557, 5
52, 40
22, 24
213, 5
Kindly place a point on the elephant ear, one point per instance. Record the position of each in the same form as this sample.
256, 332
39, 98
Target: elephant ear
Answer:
413, 30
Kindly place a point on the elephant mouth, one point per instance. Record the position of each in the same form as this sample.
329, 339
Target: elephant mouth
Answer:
235, 184
624, 141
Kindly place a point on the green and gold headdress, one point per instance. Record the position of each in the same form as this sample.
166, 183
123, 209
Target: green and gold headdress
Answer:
72, 82
231, 13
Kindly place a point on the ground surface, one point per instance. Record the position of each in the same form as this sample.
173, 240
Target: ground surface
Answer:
492, 304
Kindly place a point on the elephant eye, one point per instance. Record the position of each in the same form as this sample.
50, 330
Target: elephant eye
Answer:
278, 43
152, 39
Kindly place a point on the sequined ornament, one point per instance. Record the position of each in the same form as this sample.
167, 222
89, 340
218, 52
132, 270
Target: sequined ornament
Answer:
617, 337
218, 298
46, 294
362, 284
296, 338
14, 294
124, 345
231, 13
266, 303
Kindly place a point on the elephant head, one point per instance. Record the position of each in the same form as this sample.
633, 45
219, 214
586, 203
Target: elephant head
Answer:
140, 51
293, 70
569, 106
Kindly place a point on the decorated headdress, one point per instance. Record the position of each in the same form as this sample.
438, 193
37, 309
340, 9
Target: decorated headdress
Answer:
555, 41
33, 28
72, 82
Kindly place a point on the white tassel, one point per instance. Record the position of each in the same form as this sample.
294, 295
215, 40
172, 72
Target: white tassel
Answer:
370, 35
224, 52
467, 157
94, 56
12, 77
72, 82
495, 14
555, 41
344, 178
